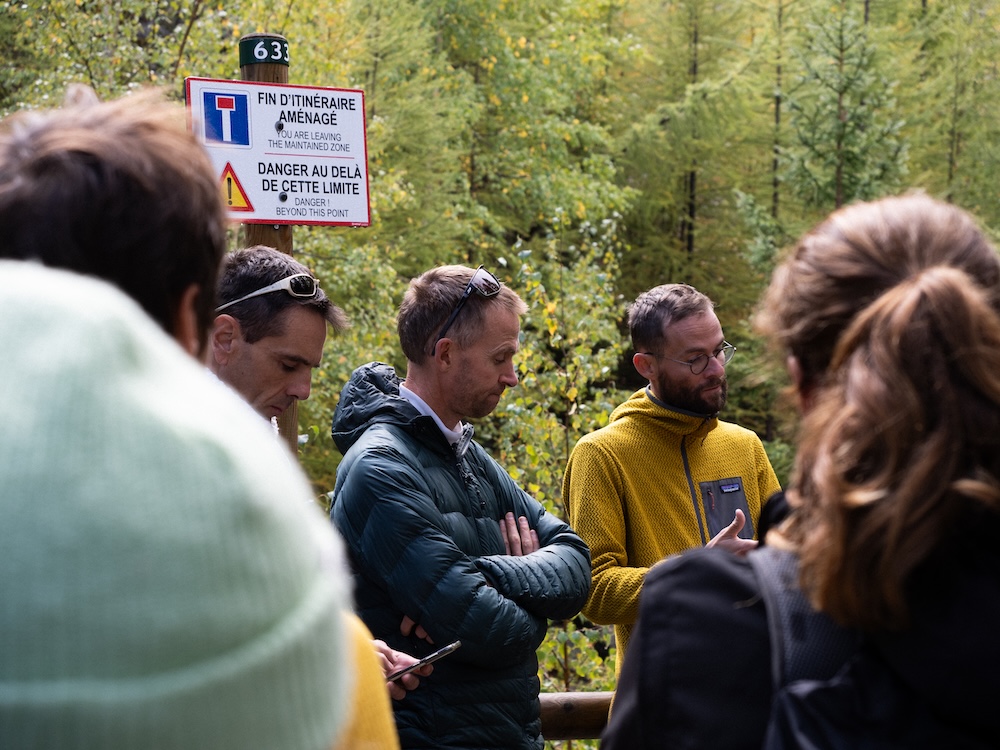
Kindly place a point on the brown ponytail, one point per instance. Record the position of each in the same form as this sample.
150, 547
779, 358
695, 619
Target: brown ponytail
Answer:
904, 365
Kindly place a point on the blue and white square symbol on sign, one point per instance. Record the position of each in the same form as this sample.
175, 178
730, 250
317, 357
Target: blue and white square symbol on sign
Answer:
227, 118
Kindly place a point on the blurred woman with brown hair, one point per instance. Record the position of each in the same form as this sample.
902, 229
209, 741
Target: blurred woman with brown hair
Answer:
889, 316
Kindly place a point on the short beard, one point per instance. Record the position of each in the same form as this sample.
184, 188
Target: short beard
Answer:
691, 400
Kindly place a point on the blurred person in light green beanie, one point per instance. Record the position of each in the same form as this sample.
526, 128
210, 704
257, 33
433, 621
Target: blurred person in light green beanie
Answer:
164, 581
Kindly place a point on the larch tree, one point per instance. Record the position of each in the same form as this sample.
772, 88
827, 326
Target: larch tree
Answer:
847, 143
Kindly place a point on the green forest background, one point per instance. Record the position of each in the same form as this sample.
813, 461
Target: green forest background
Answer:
584, 151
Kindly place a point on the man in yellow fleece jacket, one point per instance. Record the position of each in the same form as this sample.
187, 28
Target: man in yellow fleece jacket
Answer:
665, 474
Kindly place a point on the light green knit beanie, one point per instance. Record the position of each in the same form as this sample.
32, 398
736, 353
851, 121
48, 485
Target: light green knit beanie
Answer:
165, 581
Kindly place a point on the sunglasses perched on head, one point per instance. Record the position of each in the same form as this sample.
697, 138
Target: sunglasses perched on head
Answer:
483, 283
297, 285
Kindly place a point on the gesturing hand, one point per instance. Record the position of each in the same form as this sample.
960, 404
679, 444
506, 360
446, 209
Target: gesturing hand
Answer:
729, 539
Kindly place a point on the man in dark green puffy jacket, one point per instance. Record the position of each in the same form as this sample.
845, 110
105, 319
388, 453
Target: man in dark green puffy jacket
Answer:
444, 544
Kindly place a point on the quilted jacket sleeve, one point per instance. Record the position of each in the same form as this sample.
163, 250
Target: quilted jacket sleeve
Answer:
401, 547
552, 582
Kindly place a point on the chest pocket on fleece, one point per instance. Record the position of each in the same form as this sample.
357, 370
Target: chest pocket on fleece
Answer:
720, 499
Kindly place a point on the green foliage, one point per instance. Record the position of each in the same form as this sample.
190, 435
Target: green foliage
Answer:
847, 131
570, 349
115, 47
19, 63
767, 235
687, 149
534, 150
951, 98
419, 111
363, 282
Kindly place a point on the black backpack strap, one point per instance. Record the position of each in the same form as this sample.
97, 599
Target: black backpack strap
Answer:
805, 644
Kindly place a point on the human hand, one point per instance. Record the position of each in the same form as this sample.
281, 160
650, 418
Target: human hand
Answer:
408, 626
518, 538
392, 661
729, 539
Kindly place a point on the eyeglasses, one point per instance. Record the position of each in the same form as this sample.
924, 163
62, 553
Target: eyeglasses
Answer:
724, 354
482, 282
298, 285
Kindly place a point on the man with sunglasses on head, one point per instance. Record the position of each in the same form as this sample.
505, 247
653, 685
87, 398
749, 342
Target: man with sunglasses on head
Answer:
444, 545
665, 474
269, 329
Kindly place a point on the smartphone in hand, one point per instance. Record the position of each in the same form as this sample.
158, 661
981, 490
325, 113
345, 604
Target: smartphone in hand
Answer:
429, 659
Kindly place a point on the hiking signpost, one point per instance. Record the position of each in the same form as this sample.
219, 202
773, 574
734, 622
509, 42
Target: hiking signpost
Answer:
284, 154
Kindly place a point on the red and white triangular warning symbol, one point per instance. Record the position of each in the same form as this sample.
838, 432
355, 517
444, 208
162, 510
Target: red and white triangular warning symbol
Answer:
233, 194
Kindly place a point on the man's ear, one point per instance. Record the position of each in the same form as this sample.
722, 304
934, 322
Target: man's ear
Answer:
185, 329
444, 352
643, 364
223, 339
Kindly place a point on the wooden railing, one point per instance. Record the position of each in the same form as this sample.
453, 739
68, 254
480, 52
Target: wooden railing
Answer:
574, 716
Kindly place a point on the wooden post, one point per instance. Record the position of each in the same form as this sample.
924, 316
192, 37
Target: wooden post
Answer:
574, 716
264, 59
